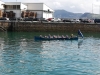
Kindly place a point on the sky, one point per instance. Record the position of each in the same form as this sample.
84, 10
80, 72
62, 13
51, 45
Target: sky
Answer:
75, 6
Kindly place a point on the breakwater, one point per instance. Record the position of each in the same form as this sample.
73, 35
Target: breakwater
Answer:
48, 27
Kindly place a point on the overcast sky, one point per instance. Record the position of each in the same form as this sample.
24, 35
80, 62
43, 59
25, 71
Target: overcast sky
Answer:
76, 6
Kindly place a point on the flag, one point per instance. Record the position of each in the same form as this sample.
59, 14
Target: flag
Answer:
80, 34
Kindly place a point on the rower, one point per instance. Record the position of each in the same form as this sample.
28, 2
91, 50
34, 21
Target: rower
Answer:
54, 36
66, 36
46, 36
49, 36
63, 36
58, 36
41, 36
72, 35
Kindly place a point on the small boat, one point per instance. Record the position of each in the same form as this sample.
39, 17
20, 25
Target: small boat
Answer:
59, 38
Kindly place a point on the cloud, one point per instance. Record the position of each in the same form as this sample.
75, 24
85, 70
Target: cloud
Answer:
77, 6
57, 4
72, 6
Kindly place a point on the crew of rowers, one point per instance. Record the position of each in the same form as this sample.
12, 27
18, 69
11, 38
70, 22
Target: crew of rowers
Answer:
58, 36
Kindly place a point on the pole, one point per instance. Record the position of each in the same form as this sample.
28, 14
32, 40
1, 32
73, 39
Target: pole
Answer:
16, 10
99, 9
92, 8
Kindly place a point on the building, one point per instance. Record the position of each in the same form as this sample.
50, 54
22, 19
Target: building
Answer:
1, 8
35, 10
15, 7
42, 10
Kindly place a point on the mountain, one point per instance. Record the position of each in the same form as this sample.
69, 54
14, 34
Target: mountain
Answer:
90, 16
66, 14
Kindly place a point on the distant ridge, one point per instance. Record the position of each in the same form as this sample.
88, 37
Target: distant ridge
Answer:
90, 16
66, 14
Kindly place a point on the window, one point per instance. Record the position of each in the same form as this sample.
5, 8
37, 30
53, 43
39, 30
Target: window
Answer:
5, 6
12, 6
18, 6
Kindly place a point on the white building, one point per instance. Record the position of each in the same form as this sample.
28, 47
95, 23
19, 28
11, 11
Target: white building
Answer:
1, 7
42, 10
16, 7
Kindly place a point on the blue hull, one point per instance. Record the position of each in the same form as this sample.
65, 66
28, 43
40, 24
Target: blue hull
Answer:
60, 38
40, 38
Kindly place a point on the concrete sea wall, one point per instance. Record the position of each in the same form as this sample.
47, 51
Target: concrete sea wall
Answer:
48, 27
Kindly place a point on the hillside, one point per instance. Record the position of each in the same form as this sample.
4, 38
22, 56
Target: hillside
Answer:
66, 14
90, 16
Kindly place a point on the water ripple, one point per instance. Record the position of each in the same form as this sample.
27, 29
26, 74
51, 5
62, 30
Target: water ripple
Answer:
24, 56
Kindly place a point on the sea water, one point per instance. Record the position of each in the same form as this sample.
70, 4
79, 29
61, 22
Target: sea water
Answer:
20, 54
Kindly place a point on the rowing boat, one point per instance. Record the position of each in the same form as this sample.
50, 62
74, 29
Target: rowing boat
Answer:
60, 38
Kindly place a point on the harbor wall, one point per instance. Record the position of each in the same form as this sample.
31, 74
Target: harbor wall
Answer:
48, 27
